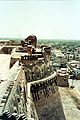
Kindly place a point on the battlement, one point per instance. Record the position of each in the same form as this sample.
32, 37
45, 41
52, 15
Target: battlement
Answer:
19, 96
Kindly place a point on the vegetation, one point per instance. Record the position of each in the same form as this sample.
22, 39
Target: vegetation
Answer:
52, 42
59, 43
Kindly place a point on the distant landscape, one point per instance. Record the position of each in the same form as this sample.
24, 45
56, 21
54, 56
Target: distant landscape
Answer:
56, 42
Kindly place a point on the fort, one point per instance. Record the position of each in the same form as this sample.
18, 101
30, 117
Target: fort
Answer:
31, 90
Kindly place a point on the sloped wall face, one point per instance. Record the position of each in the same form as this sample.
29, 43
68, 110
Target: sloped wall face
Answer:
49, 106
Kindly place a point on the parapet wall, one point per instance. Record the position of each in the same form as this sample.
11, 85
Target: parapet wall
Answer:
47, 99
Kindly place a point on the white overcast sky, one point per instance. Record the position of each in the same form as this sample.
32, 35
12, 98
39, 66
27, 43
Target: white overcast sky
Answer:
45, 19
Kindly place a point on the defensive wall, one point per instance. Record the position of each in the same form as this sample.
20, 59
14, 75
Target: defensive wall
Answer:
38, 100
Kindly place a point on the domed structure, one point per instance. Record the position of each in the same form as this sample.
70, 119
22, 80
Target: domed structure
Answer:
32, 39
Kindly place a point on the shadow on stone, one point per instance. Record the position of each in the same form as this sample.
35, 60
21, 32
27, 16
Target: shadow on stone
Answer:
50, 108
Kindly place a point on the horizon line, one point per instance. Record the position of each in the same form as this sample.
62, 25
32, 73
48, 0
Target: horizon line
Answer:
13, 38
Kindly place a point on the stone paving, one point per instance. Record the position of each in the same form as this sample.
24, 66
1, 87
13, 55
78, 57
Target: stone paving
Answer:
4, 65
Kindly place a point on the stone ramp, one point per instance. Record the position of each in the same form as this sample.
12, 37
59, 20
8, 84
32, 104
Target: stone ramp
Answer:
69, 103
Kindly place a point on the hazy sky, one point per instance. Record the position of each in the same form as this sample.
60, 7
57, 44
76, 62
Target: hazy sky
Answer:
45, 19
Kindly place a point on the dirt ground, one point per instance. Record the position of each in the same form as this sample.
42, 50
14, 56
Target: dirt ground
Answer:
70, 102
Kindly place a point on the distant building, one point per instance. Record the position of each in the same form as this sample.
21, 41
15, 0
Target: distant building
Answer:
62, 77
